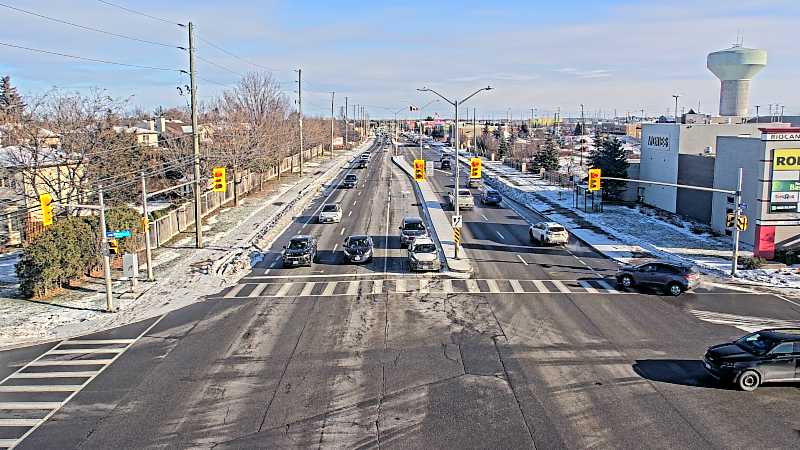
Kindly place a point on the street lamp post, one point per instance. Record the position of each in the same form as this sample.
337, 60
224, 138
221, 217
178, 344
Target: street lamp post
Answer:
455, 105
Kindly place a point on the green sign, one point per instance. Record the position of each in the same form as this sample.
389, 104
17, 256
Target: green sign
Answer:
785, 186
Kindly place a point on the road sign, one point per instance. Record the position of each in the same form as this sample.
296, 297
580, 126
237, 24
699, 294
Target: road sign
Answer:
457, 221
457, 235
741, 225
594, 179
429, 168
118, 234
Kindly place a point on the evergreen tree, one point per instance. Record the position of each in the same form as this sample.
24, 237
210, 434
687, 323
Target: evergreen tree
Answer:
11, 103
547, 156
578, 130
609, 156
504, 148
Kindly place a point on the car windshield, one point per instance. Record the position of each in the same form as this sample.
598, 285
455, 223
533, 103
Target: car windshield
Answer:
350, 177
464, 192
359, 242
556, 229
757, 343
298, 244
414, 226
425, 248
329, 208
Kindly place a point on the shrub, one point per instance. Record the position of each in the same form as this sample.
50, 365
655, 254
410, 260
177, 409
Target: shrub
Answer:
749, 263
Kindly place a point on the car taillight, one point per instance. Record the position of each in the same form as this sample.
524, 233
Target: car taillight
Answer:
692, 276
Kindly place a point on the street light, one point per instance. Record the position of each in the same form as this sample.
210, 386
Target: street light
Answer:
419, 129
455, 105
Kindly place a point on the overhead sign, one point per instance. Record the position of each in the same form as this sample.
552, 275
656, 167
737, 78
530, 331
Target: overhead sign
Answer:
788, 136
786, 159
457, 221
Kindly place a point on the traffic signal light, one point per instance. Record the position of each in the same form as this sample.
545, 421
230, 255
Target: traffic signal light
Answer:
729, 220
113, 247
475, 166
46, 203
594, 179
419, 169
219, 184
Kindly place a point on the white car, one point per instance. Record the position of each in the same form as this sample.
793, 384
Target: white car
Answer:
548, 233
422, 255
330, 213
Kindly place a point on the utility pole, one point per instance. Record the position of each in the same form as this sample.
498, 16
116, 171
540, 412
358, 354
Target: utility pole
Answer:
198, 220
758, 118
300, 113
106, 259
474, 129
676, 97
346, 125
146, 226
737, 211
333, 96
583, 132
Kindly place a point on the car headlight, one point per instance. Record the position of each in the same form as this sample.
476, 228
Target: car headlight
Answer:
727, 365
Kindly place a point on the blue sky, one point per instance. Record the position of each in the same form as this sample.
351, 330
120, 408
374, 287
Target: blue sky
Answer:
608, 55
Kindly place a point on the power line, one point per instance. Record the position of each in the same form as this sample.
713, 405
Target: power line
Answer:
132, 11
101, 61
145, 41
233, 55
220, 66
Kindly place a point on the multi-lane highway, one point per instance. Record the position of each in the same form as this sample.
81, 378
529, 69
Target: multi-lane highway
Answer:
538, 349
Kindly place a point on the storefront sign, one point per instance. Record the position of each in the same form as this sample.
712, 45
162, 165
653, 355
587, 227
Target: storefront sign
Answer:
791, 136
786, 159
785, 186
659, 142
784, 197
783, 207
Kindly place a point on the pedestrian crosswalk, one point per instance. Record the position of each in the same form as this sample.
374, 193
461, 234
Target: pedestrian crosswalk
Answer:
419, 286
29, 396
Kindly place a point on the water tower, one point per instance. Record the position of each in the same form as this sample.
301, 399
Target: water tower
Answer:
735, 67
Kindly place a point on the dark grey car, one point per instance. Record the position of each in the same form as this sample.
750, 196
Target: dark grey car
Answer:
672, 278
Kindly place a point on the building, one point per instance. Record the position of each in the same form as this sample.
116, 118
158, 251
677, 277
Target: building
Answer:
144, 136
770, 165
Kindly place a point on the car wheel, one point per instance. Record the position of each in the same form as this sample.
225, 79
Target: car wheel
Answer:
674, 289
748, 380
626, 281
531, 235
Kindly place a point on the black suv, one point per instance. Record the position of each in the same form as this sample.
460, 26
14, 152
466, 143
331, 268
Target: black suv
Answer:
350, 181
672, 278
760, 357
301, 251
358, 248
445, 164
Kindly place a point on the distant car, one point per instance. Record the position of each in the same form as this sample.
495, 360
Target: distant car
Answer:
445, 165
548, 233
350, 181
474, 183
423, 255
674, 279
358, 248
360, 164
490, 197
301, 251
761, 357
330, 213
411, 228
465, 200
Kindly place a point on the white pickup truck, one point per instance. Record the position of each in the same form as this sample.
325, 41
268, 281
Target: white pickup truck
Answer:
465, 200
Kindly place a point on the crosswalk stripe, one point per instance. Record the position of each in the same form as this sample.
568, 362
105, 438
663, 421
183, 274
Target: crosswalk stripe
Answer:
400, 286
8, 443
377, 286
423, 286
78, 351
353, 288
283, 290
587, 286
560, 286
71, 362
258, 290
29, 405
516, 286
329, 288
607, 287
42, 388
19, 423
307, 289
540, 286
472, 286
98, 341
492, 286
447, 286
83, 374
235, 291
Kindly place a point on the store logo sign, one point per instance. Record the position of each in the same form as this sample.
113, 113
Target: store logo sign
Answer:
786, 159
658, 141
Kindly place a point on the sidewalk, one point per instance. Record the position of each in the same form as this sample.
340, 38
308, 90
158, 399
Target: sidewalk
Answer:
232, 241
628, 233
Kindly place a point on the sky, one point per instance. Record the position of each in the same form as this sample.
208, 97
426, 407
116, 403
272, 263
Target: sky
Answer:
621, 56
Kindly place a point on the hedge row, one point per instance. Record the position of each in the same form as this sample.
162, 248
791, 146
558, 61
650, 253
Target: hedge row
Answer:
68, 250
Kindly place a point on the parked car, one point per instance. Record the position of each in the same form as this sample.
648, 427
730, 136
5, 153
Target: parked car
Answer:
301, 251
410, 229
445, 164
548, 233
330, 213
761, 357
350, 181
423, 255
490, 197
674, 279
465, 200
358, 248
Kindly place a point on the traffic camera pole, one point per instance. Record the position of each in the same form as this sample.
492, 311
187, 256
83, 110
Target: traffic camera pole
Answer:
736, 212
106, 259
146, 226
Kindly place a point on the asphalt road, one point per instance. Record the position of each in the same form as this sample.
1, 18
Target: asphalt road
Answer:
522, 355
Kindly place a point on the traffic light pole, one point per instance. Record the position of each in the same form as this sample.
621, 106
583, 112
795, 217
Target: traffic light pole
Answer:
106, 259
146, 228
736, 213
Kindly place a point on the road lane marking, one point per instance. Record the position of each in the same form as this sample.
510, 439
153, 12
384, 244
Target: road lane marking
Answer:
516, 286
29, 405
258, 290
377, 286
354, 202
447, 286
560, 286
17, 423
352, 289
71, 362
42, 388
307, 289
472, 287
97, 341
235, 291
501, 236
522, 259
350, 214
79, 351
484, 217
400, 286
283, 290
329, 287
341, 233
82, 374
335, 246
540, 286
588, 287
607, 287
492, 286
